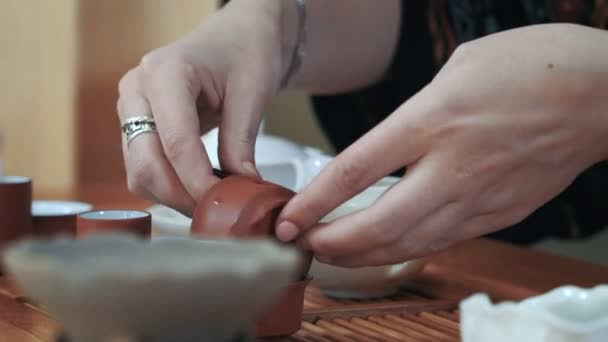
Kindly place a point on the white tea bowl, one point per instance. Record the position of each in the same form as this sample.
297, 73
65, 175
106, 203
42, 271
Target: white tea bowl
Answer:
363, 282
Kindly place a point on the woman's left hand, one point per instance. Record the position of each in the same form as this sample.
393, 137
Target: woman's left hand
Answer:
506, 125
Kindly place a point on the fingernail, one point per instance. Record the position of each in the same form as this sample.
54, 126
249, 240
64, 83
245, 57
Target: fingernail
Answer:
287, 231
250, 168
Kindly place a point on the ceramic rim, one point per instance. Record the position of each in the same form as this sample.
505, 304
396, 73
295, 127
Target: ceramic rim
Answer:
114, 214
14, 179
42, 208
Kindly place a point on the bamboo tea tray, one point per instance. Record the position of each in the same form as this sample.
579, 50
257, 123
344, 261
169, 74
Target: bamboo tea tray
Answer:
410, 315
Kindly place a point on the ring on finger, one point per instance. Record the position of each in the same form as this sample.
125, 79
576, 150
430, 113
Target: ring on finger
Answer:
135, 126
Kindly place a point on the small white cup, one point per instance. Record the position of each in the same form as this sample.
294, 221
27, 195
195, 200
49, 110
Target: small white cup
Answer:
363, 282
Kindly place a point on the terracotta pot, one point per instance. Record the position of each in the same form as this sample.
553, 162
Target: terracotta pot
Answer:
239, 206
15, 208
244, 207
105, 221
56, 217
284, 317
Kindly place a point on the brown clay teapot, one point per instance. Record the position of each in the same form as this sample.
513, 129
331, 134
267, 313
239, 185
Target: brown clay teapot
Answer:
244, 207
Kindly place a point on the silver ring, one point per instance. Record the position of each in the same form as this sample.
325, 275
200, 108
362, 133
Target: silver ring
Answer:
133, 127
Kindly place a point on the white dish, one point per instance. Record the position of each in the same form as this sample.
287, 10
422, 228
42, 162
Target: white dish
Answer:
116, 284
59, 208
363, 282
564, 314
169, 222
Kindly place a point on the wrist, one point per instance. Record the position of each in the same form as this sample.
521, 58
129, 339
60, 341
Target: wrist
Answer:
293, 36
581, 85
284, 19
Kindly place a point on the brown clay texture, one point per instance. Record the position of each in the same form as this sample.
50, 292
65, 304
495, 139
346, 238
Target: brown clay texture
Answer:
141, 226
52, 225
246, 207
285, 316
15, 211
243, 207
239, 206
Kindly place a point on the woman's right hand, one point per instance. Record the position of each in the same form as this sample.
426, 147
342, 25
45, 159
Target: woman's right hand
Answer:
222, 73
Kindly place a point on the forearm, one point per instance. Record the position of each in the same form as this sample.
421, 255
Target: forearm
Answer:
350, 43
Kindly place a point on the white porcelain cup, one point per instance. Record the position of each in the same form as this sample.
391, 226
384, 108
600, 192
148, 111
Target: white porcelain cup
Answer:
364, 282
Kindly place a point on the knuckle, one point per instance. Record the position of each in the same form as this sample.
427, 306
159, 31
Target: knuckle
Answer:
437, 246
128, 81
379, 231
321, 246
462, 51
134, 186
161, 59
350, 177
140, 177
236, 141
409, 248
174, 146
151, 61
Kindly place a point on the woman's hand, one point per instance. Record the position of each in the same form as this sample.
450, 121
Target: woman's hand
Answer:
225, 72
507, 124
222, 73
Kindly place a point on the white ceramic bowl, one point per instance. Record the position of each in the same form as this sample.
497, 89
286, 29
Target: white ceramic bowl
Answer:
41, 208
565, 314
105, 285
169, 222
364, 282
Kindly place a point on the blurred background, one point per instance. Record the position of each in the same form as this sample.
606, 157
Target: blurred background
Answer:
61, 61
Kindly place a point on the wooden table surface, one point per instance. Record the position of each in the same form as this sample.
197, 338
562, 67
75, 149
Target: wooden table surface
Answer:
501, 270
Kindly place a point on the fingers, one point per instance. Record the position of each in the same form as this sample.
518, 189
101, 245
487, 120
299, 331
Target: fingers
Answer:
149, 173
391, 145
434, 233
421, 194
172, 95
240, 121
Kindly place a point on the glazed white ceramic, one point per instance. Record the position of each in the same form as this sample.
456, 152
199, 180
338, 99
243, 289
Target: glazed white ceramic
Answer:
168, 222
111, 284
14, 179
364, 282
565, 314
59, 208
114, 214
278, 160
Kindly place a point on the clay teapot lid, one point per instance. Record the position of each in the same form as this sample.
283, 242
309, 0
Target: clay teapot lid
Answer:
244, 207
